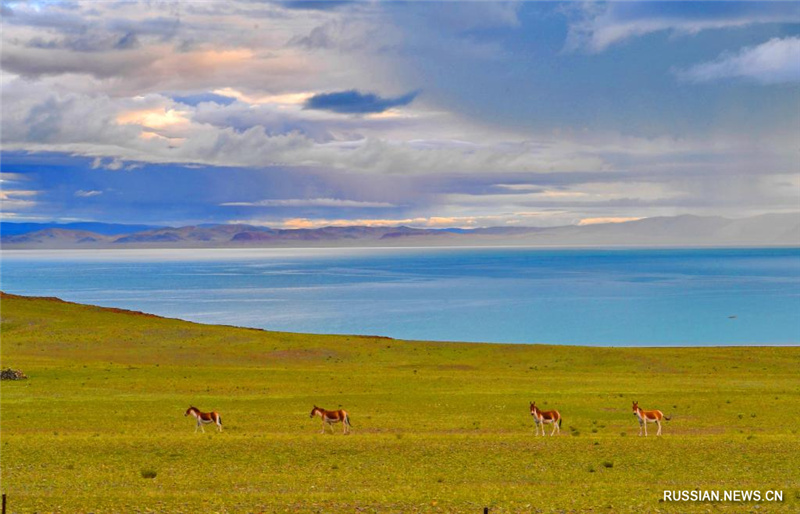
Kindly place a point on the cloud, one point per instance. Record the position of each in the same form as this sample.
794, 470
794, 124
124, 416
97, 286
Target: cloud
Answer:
91, 42
16, 199
243, 100
354, 102
152, 128
112, 164
774, 62
199, 98
155, 129
11, 177
37, 62
310, 202
421, 221
87, 194
595, 221
595, 27
316, 5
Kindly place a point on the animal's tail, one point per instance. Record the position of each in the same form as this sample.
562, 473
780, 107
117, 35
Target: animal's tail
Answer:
667, 418
219, 419
559, 422
347, 420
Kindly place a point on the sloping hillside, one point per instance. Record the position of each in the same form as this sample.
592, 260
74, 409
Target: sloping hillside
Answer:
437, 427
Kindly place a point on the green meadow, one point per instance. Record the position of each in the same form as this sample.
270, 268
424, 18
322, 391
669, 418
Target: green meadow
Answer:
99, 425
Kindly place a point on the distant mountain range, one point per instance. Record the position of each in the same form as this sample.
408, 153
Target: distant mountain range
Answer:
765, 230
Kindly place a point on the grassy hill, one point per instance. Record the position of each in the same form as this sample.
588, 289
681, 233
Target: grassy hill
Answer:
439, 427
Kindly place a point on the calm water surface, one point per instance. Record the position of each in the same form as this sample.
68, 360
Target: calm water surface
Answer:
593, 297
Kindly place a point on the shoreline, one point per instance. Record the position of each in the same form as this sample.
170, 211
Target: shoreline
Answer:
14, 296
304, 251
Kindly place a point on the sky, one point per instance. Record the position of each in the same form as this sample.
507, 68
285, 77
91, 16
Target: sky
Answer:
430, 114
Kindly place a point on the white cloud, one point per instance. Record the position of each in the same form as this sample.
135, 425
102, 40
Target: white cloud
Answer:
149, 129
774, 62
596, 221
11, 177
310, 202
113, 164
16, 199
418, 222
595, 27
87, 194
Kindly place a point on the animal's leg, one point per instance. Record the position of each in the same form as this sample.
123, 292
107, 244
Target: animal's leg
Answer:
659, 427
640, 428
645, 427
323, 427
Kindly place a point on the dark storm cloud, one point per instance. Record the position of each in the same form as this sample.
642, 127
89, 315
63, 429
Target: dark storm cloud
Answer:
355, 102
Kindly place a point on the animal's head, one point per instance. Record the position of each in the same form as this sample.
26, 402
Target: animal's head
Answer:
313, 411
533, 408
189, 411
635, 407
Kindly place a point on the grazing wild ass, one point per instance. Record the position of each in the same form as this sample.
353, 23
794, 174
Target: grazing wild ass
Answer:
541, 417
648, 416
329, 417
204, 418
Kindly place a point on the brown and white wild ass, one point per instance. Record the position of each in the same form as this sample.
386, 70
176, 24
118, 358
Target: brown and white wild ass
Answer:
648, 416
541, 417
204, 418
329, 417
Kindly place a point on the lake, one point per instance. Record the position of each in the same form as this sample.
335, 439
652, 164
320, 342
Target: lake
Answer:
504, 295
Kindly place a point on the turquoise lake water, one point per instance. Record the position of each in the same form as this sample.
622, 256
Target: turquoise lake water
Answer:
588, 297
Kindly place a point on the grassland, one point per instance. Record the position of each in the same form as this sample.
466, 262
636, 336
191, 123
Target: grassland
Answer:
437, 427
